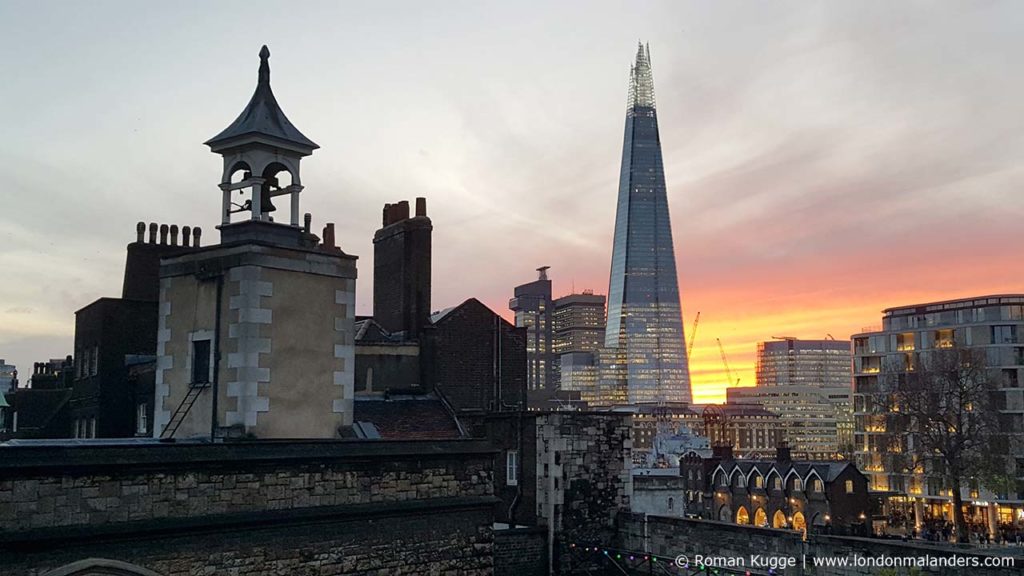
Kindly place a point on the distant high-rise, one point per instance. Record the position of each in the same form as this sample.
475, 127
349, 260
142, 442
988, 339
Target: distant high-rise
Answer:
8, 373
644, 359
578, 323
533, 308
578, 335
807, 383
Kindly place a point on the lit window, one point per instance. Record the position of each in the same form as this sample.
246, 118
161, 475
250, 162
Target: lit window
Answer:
798, 484
512, 467
141, 419
818, 486
849, 486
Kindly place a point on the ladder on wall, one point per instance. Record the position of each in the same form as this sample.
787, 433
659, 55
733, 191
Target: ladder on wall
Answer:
179, 414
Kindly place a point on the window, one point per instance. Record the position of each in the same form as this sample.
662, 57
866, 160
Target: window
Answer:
94, 361
778, 483
671, 504
14, 421
849, 486
741, 481
200, 361
1004, 334
818, 486
798, 484
92, 427
723, 480
758, 482
141, 419
512, 467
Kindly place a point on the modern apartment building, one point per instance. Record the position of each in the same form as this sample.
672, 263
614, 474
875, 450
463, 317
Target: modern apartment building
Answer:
807, 383
994, 324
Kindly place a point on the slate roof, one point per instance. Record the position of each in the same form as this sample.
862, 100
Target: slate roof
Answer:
407, 417
262, 116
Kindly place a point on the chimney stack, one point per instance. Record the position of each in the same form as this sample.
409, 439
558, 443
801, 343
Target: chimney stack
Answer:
174, 234
186, 236
163, 234
197, 232
401, 269
140, 232
152, 232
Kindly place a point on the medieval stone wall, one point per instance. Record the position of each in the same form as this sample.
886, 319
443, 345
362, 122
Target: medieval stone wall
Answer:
671, 537
250, 508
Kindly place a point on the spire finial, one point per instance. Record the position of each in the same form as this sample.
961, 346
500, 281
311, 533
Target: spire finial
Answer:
264, 65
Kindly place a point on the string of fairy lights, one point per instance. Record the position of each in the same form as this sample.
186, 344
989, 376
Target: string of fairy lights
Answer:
667, 563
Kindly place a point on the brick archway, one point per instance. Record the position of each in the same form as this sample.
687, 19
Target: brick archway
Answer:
100, 567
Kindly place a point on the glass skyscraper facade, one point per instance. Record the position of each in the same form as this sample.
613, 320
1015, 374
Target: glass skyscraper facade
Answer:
645, 355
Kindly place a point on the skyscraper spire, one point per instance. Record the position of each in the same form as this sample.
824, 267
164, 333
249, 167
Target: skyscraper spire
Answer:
641, 80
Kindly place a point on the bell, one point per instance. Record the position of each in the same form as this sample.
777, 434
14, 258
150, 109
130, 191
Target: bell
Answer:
265, 203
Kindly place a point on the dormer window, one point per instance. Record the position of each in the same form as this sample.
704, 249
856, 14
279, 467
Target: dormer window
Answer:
758, 482
723, 480
778, 483
818, 486
798, 484
741, 481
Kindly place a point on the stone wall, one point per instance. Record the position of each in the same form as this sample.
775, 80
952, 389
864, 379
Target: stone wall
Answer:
521, 552
583, 469
258, 507
671, 537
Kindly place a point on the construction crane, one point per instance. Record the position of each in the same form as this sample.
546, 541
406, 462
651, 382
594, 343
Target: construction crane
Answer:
728, 372
693, 334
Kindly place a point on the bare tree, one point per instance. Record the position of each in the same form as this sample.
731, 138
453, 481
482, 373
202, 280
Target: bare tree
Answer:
947, 410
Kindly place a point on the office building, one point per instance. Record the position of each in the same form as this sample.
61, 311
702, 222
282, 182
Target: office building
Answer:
808, 384
645, 358
534, 310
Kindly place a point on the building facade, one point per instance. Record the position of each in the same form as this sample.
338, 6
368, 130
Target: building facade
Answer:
808, 384
578, 323
646, 353
578, 335
534, 310
750, 430
830, 497
993, 324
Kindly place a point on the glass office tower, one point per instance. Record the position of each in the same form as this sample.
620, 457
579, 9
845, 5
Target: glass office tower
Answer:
645, 357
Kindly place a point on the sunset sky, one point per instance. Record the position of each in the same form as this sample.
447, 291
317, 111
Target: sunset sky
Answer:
824, 160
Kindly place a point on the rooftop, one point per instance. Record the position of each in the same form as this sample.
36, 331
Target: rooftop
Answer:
262, 117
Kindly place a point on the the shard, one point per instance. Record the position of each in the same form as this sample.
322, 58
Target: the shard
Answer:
644, 360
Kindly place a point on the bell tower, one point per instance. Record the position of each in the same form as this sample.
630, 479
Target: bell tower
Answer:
256, 334
261, 151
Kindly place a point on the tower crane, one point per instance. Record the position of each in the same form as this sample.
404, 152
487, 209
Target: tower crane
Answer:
725, 362
693, 334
